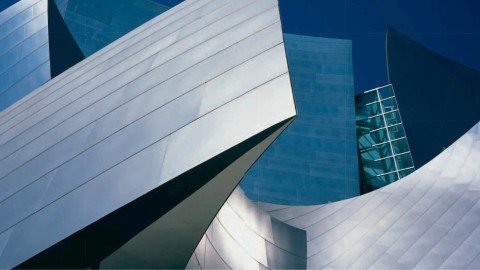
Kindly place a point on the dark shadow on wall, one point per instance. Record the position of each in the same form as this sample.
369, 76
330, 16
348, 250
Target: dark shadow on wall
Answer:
439, 99
64, 51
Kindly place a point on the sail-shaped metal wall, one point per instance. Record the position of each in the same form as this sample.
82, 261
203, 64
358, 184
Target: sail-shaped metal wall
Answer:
40, 39
24, 50
150, 134
438, 98
428, 220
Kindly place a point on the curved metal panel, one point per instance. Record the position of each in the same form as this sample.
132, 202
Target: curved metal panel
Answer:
122, 123
423, 221
429, 219
422, 77
24, 51
243, 236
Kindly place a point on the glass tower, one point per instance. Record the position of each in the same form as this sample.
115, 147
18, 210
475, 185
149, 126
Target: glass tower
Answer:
383, 148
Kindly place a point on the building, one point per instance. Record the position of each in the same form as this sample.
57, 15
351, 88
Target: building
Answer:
315, 160
131, 156
446, 96
95, 24
427, 220
39, 40
383, 148
24, 51
100, 157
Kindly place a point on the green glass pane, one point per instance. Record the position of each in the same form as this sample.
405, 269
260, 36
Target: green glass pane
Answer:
396, 132
374, 122
376, 152
380, 166
379, 136
400, 146
389, 104
368, 139
404, 161
392, 118
368, 110
386, 92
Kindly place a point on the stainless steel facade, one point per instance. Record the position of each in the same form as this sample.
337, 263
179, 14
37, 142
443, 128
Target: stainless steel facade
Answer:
126, 160
157, 103
243, 236
24, 51
428, 220
446, 103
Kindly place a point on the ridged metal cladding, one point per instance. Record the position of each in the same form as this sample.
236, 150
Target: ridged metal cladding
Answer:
186, 86
243, 236
428, 220
24, 50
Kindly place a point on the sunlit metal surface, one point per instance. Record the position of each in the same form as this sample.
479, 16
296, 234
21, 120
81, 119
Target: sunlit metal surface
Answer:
158, 102
243, 236
428, 220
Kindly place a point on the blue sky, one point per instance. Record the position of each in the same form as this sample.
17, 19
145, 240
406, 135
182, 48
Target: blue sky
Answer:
449, 27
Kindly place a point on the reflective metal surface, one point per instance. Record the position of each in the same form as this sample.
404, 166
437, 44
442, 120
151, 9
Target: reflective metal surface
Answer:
123, 122
24, 51
446, 102
243, 236
428, 220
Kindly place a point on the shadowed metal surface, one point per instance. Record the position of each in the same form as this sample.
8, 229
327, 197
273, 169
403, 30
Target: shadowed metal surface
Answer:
430, 219
123, 122
446, 96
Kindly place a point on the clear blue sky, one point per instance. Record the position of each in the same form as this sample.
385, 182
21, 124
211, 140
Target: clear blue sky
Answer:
449, 27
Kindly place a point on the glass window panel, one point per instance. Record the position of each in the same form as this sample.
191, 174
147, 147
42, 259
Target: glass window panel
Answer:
400, 146
405, 172
389, 104
392, 118
368, 139
373, 123
386, 92
396, 132
376, 152
379, 136
380, 167
368, 110
404, 161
